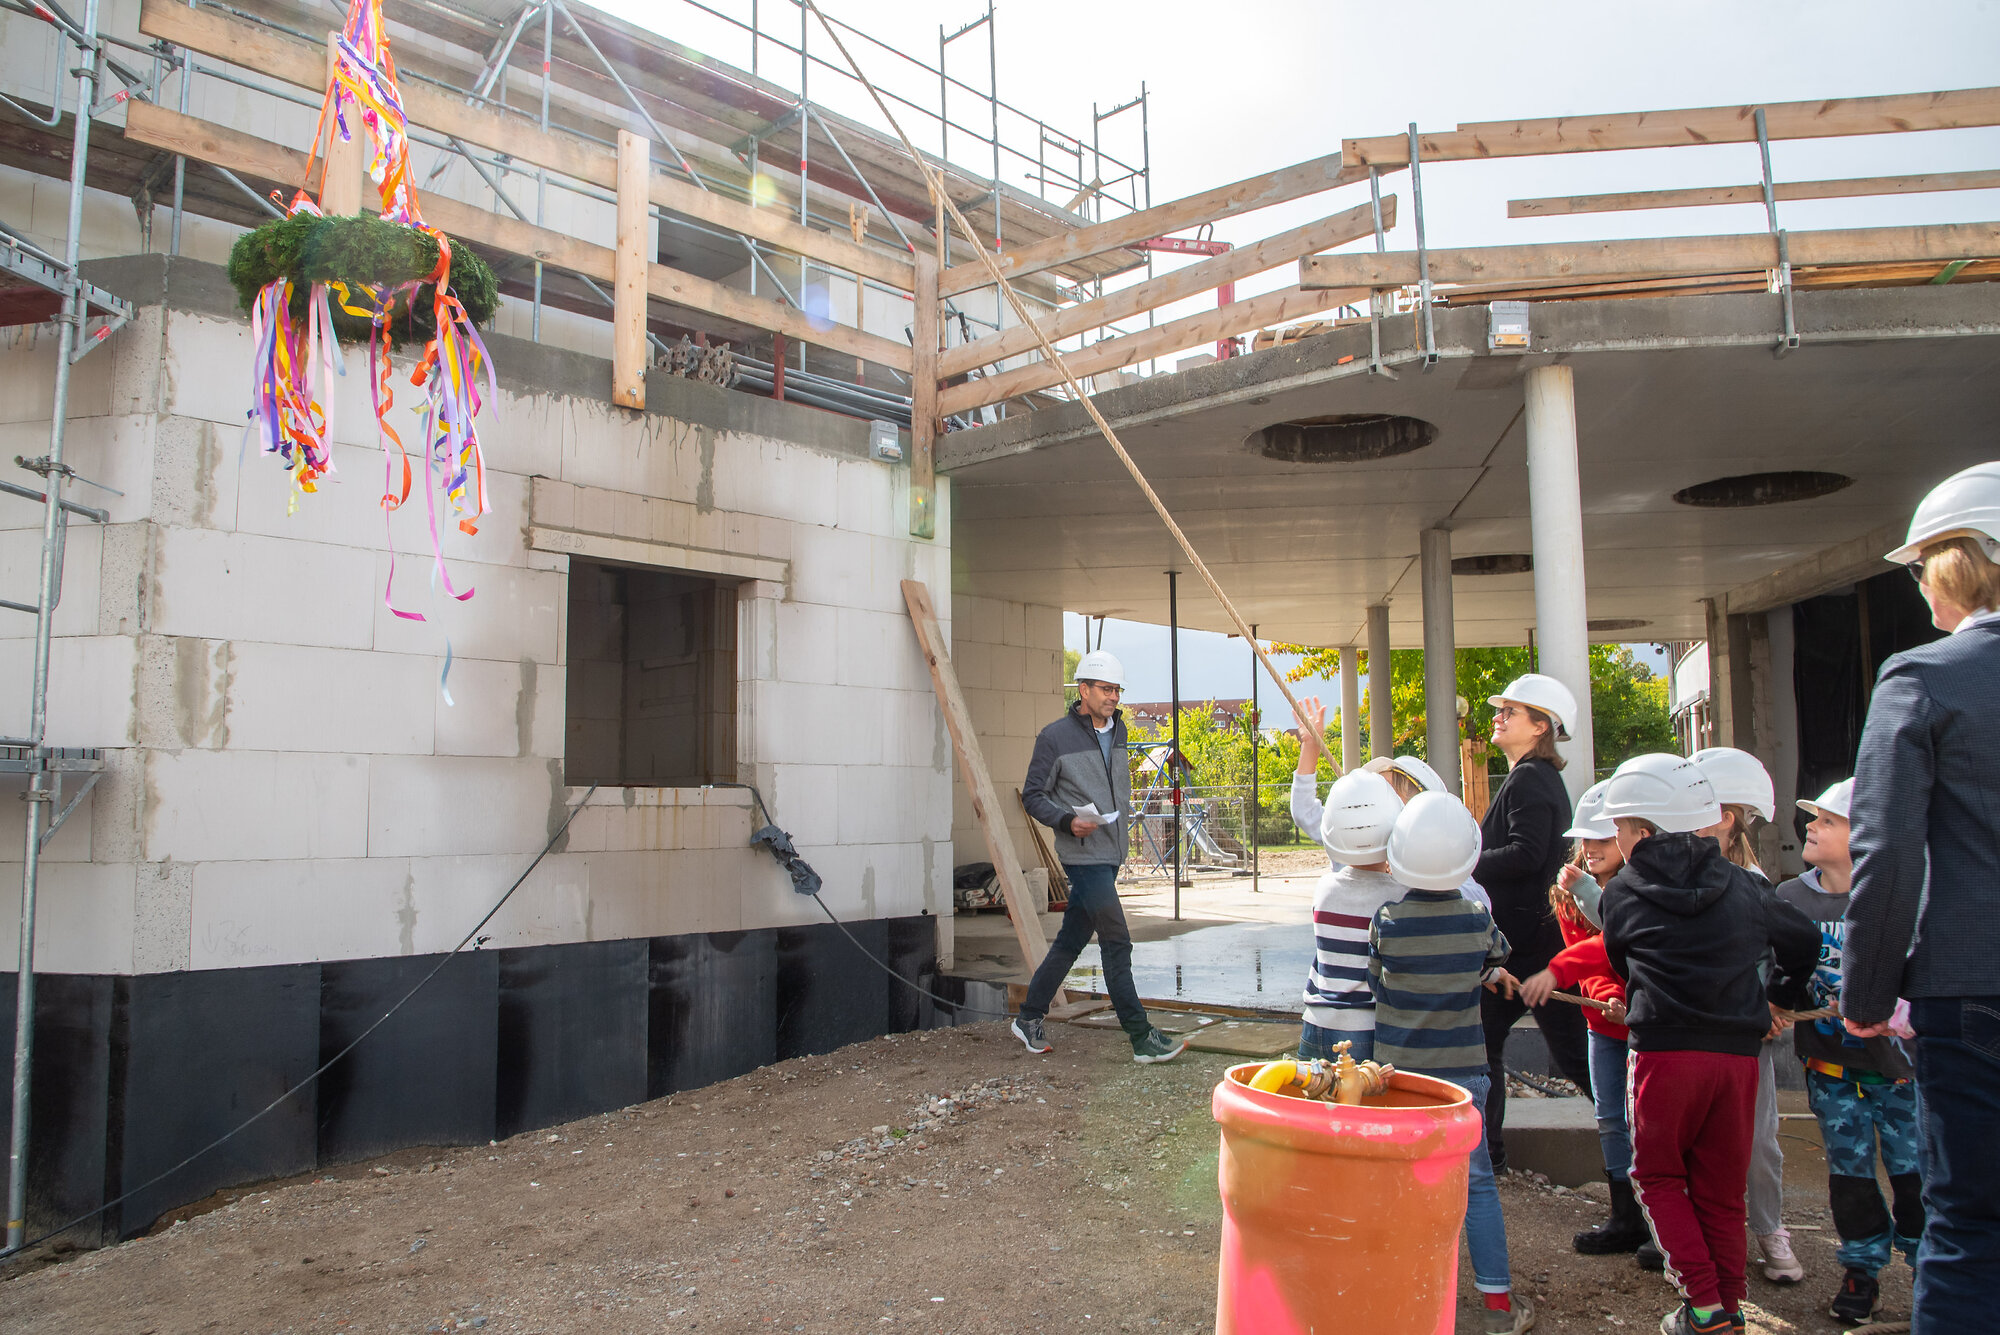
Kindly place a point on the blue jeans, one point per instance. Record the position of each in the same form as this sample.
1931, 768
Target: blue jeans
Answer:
1317, 1042
1093, 910
1485, 1229
1958, 1078
1853, 1119
1607, 1092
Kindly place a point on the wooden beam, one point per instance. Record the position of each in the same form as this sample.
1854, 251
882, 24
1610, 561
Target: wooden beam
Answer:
1753, 193
1193, 280
1654, 256
1287, 304
628, 269
266, 161
1256, 192
302, 63
1895, 114
986, 808
924, 400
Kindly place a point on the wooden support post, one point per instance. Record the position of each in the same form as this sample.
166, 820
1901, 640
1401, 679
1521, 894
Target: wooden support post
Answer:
923, 401
341, 164
986, 809
628, 267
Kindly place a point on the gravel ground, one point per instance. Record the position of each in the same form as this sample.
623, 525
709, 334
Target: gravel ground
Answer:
939, 1182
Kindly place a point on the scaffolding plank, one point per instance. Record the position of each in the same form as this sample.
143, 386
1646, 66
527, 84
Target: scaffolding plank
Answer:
1193, 280
259, 158
1894, 114
1025, 915
1753, 193
303, 64
1256, 192
1272, 308
1654, 256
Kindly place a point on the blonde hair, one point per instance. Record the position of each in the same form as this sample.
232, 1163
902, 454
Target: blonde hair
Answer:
1736, 846
1563, 902
1958, 569
1405, 786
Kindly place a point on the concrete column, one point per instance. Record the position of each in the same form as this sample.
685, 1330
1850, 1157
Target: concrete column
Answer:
1440, 659
1381, 722
1555, 518
1350, 708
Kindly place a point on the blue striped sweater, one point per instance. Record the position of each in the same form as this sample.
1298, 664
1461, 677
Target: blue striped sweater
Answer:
1344, 902
1427, 954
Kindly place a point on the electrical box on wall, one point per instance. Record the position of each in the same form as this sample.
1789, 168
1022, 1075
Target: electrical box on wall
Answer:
1507, 325
885, 442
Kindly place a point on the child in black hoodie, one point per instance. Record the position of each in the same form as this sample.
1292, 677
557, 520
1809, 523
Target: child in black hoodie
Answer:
1687, 929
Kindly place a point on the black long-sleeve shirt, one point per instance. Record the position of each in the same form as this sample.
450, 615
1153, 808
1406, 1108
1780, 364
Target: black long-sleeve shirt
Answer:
1524, 847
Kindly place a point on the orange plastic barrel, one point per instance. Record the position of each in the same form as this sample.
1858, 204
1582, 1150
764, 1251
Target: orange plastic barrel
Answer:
1341, 1219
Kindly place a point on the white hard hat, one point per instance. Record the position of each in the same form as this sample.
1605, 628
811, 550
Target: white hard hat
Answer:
1835, 801
1738, 777
1591, 822
1434, 844
1543, 693
1354, 823
1411, 768
1100, 666
1668, 792
1964, 503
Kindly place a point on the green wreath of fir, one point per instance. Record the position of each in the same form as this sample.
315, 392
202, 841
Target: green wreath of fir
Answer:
360, 250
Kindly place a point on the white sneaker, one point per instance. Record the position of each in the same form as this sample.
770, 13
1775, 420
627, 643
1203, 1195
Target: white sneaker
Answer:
1780, 1266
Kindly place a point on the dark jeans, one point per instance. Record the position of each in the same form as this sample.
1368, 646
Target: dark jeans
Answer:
1093, 909
1562, 1027
1958, 1099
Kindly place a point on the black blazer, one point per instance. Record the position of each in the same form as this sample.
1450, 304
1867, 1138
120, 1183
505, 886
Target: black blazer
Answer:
1523, 845
1926, 815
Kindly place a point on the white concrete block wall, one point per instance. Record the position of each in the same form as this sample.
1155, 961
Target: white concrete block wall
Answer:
1009, 661
286, 780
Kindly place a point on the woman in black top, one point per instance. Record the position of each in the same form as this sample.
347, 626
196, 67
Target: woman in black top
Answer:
1524, 847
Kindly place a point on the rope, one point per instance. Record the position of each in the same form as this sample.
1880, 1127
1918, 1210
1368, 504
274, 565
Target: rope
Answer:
325, 1066
933, 178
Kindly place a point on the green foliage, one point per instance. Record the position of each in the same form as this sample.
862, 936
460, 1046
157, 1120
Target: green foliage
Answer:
1218, 753
1070, 659
1628, 703
365, 251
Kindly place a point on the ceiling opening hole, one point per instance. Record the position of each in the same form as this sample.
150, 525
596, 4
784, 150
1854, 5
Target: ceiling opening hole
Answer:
1751, 489
1617, 623
1499, 563
1342, 438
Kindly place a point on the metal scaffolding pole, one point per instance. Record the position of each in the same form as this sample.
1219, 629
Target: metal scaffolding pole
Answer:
42, 791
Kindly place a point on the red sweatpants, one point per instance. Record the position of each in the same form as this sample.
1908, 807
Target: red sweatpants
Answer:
1691, 1115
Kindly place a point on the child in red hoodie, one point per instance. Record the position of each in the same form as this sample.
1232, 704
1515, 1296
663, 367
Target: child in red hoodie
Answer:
1582, 966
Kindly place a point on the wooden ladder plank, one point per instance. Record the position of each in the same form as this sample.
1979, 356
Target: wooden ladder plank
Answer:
986, 809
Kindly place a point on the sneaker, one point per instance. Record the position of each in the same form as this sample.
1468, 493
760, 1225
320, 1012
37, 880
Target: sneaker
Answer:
1855, 1302
1737, 1322
1030, 1032
1157, 1047
1519, 1318
1682, 1321
1780, 1266
1650, 1257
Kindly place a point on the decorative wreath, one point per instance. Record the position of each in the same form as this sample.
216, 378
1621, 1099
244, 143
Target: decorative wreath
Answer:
368, 264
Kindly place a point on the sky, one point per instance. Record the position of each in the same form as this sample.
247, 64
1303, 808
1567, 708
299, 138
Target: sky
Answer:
1248, 87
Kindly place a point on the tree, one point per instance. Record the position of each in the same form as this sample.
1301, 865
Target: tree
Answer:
1628, 703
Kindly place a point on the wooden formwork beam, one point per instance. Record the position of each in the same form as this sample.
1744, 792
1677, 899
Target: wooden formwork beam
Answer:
1193, 280
1655, 256
924, 400
628, 270
1238, 317
1226, 201
986, 809
250, 156
1753, 193
1895, 114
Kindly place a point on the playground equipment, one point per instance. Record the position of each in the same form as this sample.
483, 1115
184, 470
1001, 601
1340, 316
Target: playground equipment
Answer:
1153, 818
1340, 1215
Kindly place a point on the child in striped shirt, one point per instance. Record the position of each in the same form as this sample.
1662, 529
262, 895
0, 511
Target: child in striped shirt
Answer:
1428, 955
1354, 829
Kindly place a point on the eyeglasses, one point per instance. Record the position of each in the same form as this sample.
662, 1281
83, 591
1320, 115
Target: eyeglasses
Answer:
1505, 712
1104, 686
1916, 569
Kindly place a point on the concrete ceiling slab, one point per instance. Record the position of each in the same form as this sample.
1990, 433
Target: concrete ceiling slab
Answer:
1895, 388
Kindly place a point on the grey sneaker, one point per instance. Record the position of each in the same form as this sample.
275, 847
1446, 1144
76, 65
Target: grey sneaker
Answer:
1519, 1319
1030, 1032
1157, 1047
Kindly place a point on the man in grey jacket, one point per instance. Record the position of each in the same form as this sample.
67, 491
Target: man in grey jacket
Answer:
1080, 768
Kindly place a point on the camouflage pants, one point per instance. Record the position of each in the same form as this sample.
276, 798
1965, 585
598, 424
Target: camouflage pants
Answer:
1853, 1119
